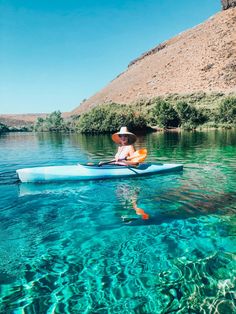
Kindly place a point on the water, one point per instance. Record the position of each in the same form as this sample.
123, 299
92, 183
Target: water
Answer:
87, 247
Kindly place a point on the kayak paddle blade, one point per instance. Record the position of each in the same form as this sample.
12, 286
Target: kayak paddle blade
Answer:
139, 156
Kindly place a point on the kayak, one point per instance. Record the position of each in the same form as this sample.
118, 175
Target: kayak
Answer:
85, 172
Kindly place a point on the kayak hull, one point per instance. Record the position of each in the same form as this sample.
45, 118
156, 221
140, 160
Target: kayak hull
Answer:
82, 172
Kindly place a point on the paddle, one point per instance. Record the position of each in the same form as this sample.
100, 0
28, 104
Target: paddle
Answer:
137, 157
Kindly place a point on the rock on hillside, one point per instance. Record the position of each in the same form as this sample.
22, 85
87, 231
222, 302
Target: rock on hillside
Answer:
226, 4
200, 59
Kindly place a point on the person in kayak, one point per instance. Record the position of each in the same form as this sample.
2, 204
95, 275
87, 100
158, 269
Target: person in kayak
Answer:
125, 140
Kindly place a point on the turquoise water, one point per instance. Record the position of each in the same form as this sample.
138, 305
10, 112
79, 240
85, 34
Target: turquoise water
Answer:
83, 247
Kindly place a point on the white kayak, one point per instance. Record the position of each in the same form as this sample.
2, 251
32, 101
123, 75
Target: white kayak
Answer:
85, 172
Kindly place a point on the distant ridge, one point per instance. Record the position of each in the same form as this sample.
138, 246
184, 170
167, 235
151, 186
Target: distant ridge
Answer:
20, 120
202, 59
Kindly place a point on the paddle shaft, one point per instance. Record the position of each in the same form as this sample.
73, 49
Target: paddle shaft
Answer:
138, 156
108, 162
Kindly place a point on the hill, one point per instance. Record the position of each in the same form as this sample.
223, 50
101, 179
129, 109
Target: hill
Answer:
23, 120
202, 59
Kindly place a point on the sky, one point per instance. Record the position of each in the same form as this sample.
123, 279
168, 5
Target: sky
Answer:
56, 53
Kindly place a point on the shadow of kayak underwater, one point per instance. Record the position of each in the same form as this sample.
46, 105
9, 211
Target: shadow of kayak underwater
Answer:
26, 189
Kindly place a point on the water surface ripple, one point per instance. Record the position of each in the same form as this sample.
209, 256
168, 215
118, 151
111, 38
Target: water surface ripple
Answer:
84, 247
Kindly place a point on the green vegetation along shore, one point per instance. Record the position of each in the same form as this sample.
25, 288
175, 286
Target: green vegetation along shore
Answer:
186, 112
5, 128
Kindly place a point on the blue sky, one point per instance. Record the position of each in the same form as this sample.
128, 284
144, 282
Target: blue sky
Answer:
55, 53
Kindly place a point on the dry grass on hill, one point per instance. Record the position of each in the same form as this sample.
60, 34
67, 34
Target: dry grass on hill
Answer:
202, 59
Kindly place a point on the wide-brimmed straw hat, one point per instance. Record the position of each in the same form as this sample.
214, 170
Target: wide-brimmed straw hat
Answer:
124, 131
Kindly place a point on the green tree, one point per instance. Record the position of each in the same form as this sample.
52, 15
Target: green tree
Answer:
3, 128
189, 115
109, 118
39, 126
52, 123
165, 115
55, 122
227, 111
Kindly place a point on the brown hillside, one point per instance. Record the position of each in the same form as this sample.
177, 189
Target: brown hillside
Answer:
27, 119
200, 59
20, 120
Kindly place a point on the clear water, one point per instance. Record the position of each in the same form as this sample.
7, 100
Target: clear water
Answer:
82, 247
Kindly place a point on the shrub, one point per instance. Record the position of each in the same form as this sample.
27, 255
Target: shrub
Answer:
53, 123
189, 115
165, 115
109, 118
3, 128
39, 125
227, 111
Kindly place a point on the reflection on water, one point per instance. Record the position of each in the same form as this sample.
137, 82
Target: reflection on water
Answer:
84, 247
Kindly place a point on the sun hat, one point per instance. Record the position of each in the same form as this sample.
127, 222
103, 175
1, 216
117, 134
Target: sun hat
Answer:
124, 131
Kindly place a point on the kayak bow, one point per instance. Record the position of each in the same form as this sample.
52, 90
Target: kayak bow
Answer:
85, 172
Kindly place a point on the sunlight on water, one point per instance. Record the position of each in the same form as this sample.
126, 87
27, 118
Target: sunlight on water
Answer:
158, 244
